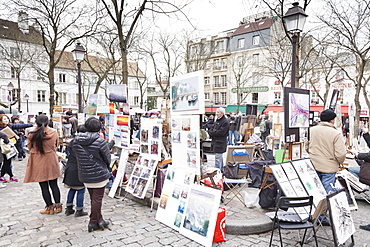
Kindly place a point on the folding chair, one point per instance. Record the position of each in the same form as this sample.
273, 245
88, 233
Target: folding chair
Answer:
292, 220
235, 188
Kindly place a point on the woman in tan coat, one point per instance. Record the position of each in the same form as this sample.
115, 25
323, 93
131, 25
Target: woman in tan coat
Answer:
43, 166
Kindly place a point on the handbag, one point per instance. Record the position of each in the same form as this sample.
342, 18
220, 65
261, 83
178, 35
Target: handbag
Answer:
364, 174
13, 151
231, 170
5, 148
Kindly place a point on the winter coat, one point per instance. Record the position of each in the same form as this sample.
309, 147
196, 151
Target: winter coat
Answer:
210, 123
74, 122
326, 147
92, 170
43, 167
268, 128
232, 123
71, 173
365, 156
219, 134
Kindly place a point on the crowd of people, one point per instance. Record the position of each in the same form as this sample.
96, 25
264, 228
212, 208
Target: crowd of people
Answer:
87, 166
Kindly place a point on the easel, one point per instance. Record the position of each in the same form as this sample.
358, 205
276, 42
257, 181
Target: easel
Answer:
288, 148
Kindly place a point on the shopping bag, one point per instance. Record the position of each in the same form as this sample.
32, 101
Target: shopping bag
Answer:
220, 229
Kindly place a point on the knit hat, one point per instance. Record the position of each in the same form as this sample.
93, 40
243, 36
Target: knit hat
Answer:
327, 115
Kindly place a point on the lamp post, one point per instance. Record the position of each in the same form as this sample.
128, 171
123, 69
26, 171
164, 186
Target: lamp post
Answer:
26, 97
10, 89
79, 55
294, 19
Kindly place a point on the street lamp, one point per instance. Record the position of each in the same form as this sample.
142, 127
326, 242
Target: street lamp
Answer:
26, 97
294, 19
78, 55
10, 89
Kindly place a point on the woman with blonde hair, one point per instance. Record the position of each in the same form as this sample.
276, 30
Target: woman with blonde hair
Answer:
43, 165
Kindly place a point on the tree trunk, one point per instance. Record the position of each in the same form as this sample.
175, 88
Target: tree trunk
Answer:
51, 89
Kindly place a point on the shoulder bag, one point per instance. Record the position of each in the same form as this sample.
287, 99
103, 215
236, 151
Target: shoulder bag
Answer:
364, 174
5, 148
231, 170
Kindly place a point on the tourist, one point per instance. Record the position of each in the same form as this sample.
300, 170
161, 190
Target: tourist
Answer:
93, 160
43, 165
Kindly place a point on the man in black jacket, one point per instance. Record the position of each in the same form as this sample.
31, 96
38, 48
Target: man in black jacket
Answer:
219, 134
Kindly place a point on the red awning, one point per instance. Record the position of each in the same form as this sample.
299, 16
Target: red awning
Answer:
320, 108
210, 110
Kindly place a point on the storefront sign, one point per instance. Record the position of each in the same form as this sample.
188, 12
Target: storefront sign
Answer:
250, 89
364, 113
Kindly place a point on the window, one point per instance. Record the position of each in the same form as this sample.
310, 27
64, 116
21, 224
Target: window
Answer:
41, 95
14, 72
220, 46
135, 85
240, 43
206, 95
208, 64
39, 76
194, 50
216, 97
277, 95
216, 80
223, 81
224, 63
256, 40
136, 100
255, 98
14, 52
62, 98
313, 94
256, 58
62, 77
223, 98
216, 64
206, 80
94, 80
241, 61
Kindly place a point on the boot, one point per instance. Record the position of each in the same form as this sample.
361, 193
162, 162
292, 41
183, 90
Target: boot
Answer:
70, 210
48, 210
80, 212
58, 207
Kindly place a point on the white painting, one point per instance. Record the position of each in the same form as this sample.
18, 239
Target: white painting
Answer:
341, 217
299, 108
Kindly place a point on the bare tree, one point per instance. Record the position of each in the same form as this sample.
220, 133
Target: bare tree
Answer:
59, 23
348, 26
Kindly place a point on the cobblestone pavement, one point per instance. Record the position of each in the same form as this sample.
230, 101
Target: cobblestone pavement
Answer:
133, 224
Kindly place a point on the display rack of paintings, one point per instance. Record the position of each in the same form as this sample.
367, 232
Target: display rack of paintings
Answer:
185, 142
120, 173
151, 137
141, 175
187, 207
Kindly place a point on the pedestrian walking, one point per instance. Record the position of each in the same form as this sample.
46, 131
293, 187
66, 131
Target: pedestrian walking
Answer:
4, 138
43, 165
93, 160
72, 182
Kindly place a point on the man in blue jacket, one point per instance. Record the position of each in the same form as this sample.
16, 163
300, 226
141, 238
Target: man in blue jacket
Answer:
219, 134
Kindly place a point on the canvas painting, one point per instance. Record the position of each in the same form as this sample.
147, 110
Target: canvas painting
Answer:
120, 173
341, 218
289, 170
279, 173
187, 93
299, 109
343, 183
201, 214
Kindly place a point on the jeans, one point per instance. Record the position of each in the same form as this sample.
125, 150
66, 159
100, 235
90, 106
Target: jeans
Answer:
7, 166
96, 198
219, 162
327, 180
235, 134
79, 198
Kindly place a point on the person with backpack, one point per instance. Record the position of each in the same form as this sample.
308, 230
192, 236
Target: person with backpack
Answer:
265, 128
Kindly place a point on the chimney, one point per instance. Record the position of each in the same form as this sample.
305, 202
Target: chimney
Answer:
23, 22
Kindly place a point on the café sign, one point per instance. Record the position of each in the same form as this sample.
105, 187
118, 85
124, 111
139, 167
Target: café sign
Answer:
250, 89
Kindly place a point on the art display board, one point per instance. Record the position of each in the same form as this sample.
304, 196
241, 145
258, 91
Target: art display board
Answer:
185, 142
121, 131
299, 178
187, 93
151, 137
120, 173
141, 175
188, 208
340, 218
343, 183
296, 112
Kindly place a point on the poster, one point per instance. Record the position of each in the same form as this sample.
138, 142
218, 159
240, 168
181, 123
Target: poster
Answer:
120, 173
141, 176
187, 93
151, 137
93, 104
121, 130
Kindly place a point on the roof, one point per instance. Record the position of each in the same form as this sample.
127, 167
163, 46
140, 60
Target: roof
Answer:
10, 30
99, 63
254, 26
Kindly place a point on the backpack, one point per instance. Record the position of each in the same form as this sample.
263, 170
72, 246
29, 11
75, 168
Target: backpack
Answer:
263, 126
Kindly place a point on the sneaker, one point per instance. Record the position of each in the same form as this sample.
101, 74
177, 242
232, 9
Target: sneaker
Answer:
20, 159
2, 179
366, 227
14, 179
2, 186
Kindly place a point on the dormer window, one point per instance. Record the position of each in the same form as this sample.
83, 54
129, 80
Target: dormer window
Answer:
261, 23
246, 26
